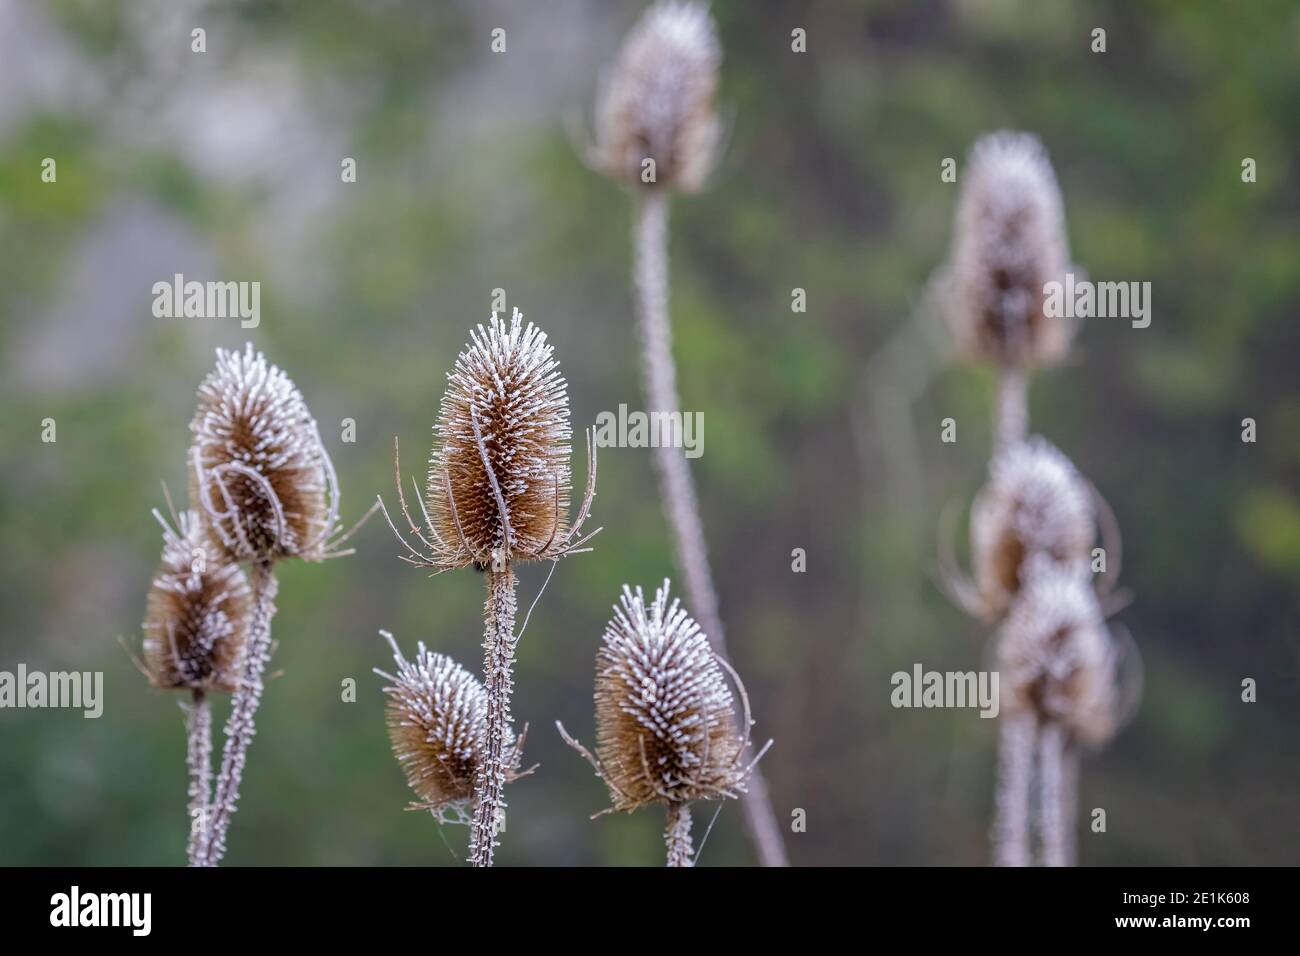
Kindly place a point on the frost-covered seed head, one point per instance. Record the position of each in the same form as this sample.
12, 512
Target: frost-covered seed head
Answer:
658, 100
1056, 658
665, 727
257, 466
1035, 501
1009, 241
505, 399
436, 715
197, 615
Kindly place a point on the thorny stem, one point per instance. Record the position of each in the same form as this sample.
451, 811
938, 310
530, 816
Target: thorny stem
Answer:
650, 240
1051, 813
498, 656
239, 726
1011, 413
1015, 766
198, 756
677, 835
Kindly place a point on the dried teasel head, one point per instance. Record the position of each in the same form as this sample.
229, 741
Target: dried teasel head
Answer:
197, 614
1035, 502
658, 100
436, 715
1009, 241
258, 469
665, 722
1056, 658
499, 478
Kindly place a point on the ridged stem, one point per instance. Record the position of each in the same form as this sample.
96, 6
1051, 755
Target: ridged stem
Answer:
198, 757
498, 659
650, 240
240, 728
1015, 768
677, 835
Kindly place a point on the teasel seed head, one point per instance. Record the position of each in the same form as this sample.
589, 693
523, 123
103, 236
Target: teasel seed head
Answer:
197, 614
1009, 241
499, 479
258, 469
1056, 657
665, 723
436, 715
1035, 502
658, 100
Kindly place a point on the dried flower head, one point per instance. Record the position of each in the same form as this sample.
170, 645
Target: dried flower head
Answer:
1056, 658
658, 101
499, 479
197, 614
436, 716
258, 468
665, 722
1035, 502
1008, 242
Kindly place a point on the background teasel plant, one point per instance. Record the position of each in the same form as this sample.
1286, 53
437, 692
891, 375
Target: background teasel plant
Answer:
437, 715
195, 628
498, 493
1034, 524
265, 486
657, 131
665, 722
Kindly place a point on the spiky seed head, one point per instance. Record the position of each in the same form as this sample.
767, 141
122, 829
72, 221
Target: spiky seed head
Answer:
257, 466
197, 613
436, 715
1056, 658
1035, 501
658, 100
1008, 242
665, 727
499, 475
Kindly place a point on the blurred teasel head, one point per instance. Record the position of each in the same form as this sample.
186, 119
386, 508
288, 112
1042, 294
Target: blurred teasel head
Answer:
1035, 502
197, 614
1056, 658
665, 723
258, 470
657, 102
1008, 242
499, 478
436, 715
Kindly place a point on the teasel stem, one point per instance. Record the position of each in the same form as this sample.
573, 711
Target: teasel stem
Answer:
677, 835
676, 487
498, 658
198, 756
1070, 803
239, 725
1011, 412
1015, 769
1052, 794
